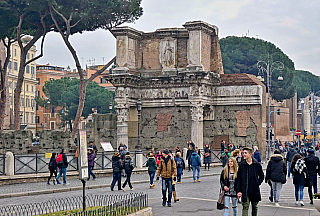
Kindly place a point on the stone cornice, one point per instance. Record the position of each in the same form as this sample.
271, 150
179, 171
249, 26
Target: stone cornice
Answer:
203, 26
127, 31
172, 32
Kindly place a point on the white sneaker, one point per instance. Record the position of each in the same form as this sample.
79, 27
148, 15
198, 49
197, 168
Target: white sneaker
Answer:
297, 202
301, 203
277, 204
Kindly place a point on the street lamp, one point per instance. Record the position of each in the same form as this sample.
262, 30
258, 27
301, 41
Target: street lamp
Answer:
139, 107
110, 107
265, 67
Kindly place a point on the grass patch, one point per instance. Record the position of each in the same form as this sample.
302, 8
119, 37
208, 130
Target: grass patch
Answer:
67, 212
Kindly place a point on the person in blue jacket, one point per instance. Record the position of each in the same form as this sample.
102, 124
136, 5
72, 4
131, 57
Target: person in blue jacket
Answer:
180, 166
256, 154
195, 162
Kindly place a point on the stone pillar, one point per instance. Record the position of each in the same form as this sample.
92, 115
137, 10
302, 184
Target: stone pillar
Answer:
139, 160
127, 43
200, 41
122, 115
197, 124
9, 169
185, 156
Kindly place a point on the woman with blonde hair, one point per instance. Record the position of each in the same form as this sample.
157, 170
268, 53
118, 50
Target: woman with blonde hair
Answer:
237, 155
228, 184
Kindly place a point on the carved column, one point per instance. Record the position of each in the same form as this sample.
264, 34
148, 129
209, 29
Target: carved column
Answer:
197, 123
122, 116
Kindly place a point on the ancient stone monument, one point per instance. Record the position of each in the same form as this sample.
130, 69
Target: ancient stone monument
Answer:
178, 75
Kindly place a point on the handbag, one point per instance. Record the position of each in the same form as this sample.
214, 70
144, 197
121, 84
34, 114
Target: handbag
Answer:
206, 154
220, 202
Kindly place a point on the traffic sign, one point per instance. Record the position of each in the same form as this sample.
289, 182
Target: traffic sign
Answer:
298, 132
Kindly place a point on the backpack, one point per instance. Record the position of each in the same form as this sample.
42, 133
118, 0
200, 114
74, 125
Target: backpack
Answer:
59, 159
179, 163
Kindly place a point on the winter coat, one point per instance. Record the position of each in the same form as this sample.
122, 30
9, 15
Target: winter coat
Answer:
167, 170
313, 164
151, 164
225, 181
52, 164
276, 169
65, 162
91, 159
290, 154
242, 180
116, 164
207, 160
299, 179
94, 147
179, 169
256, 155
195, 160
189, 153
127, 163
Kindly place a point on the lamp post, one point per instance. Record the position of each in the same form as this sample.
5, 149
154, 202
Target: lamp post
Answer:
265, 67
139, 107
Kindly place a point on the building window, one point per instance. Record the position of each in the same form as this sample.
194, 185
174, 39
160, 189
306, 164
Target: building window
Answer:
31, 55
21, 116
10, 84
51, 79
22, 101
32, 118
102, 80
52, 112
52, 125
15, 52
15, 66
83, 125
28, 56
28, 69
38, 79
37, 94
37, 107
27, 102
32, 70
27, 88
27, 117
10, 65
32, 89
32, 102
37, 120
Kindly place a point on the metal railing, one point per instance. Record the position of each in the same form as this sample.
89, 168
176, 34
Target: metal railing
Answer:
106, 204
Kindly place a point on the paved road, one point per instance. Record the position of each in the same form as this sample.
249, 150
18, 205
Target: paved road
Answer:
195, 198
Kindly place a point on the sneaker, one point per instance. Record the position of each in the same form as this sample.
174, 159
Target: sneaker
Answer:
198, 180
58, 182
123, 189
271, 199
301, 203
54, 181
48, 183
65, 183
111, 188
132, 189
169, 204
94, 178
163, 203
194, 181
297, 202
311, 202
277, 204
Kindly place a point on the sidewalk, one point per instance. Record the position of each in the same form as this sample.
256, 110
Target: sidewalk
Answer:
36, 188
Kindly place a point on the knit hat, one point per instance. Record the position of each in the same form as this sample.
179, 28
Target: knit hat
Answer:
310, 150
116, 154
165, 151
276, 151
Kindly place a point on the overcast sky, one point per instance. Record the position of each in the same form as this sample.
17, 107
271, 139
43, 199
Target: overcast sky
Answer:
292, 25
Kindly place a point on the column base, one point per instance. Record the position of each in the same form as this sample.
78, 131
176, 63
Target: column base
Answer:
139, 159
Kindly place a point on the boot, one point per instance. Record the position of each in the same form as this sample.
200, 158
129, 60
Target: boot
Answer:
175, 196
152, 186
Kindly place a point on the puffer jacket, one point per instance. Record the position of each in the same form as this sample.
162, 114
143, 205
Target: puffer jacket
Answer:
313, 164
290, 154
276, 169
116, 164
167, 170
151, 164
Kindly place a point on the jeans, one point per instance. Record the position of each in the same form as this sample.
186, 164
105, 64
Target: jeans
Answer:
166, 183
63, 172
276, 187
151, 175
205, 166
245, 208
90, 172
297, 189
227, 203
289, 164
116, 178
128, 180
179, 177
194, 169
314, 184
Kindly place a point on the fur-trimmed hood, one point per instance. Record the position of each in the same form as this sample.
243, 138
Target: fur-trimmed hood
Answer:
276, 157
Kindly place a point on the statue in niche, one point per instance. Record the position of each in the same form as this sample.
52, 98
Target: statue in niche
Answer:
168, 55
167, 52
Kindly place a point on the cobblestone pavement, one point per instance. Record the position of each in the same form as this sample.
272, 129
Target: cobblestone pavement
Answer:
195, 198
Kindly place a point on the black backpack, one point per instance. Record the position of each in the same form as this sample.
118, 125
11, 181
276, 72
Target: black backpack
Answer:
179, 163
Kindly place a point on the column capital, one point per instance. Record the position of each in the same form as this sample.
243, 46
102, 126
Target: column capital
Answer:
196, 111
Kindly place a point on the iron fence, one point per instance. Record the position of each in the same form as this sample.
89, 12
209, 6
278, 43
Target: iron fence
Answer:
144, 153
2, 164
106, 205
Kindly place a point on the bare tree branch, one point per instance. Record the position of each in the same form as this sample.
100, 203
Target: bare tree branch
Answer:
100, 71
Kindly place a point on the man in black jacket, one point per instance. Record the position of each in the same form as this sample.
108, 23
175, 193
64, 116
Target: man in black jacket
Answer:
116, 166
290, 154
62, 166
313, 166
249, 173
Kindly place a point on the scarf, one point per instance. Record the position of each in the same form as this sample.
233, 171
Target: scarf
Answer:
300, 165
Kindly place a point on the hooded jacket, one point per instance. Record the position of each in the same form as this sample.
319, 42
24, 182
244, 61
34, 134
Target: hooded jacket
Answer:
195, 160
91, 159
276, 169
243, 184
290, 154
313, 164
127, 163
167, 170
116, 164
151, 164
